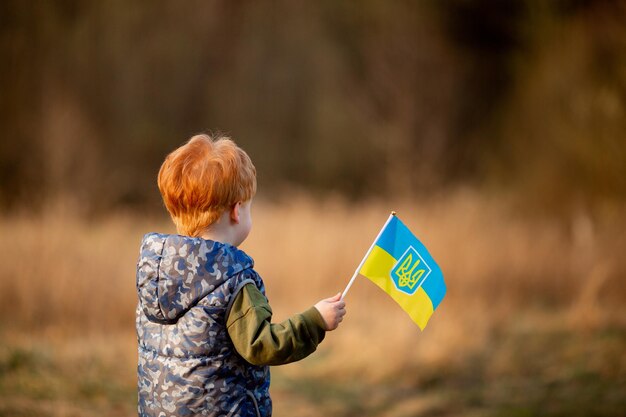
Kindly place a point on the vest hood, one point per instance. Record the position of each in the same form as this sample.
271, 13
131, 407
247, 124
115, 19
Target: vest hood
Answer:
175, 272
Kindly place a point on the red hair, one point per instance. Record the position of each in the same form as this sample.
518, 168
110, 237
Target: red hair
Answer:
202, 179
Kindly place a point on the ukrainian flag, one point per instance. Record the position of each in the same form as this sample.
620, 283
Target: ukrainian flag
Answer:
402, 267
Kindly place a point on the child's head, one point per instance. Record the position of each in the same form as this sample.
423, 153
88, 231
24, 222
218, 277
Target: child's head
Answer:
202, 179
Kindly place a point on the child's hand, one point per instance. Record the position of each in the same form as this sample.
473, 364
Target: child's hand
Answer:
332, 310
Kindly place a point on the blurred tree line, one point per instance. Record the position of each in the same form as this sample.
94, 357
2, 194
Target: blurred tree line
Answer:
360, 98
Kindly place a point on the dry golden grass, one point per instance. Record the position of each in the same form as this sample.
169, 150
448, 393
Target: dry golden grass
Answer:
532, 305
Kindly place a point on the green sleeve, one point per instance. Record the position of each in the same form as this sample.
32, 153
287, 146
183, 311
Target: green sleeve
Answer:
260, 342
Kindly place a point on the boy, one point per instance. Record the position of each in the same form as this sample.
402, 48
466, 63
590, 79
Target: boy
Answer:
203, 323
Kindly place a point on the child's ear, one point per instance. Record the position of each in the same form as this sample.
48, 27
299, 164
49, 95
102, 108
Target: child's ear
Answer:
234, 213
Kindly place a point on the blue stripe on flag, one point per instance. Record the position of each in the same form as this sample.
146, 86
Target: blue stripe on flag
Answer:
396, 238
387, 239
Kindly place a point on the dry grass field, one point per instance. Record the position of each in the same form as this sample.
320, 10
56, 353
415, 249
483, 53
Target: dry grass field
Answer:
533, 324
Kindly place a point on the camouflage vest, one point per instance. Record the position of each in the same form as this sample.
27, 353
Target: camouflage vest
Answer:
188, 365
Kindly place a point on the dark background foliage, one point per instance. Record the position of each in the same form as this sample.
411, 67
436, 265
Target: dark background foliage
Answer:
364, 98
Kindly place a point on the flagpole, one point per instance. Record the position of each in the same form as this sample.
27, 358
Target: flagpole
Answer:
358, 268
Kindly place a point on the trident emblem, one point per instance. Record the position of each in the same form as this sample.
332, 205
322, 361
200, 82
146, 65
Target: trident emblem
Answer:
407, 274
410, 271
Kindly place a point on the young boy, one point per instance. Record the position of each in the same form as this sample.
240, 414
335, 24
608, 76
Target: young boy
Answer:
203, 323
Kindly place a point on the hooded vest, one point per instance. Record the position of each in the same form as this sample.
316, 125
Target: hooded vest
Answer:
188, 365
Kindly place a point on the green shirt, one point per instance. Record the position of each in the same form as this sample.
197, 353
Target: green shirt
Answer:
260, 342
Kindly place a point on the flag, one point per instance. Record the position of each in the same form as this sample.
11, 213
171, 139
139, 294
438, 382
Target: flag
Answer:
402, 267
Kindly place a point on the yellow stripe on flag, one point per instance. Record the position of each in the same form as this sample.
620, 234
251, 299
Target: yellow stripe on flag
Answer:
377, 268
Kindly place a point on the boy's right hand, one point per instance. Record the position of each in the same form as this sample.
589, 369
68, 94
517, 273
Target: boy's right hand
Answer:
332, 310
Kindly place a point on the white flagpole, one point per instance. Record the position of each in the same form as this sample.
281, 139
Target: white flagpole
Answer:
358, 268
